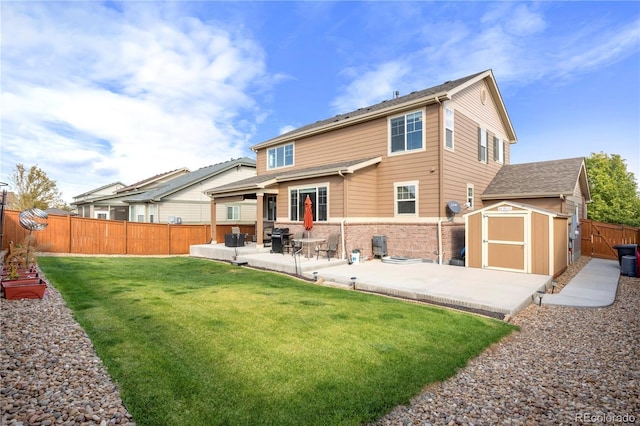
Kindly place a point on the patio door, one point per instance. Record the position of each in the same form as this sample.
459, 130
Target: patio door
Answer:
504, 241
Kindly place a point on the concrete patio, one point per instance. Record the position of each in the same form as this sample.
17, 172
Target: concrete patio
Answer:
494, 292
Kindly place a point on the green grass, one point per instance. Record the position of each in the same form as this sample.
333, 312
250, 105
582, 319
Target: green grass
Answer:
190, 341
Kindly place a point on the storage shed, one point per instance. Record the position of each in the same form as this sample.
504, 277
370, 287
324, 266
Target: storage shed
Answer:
517, 237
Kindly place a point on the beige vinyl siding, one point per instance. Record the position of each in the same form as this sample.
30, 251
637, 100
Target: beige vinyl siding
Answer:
364, 140
229, 176
362, 190
367, 140
248, 210
469, 102
461, 167
188, 212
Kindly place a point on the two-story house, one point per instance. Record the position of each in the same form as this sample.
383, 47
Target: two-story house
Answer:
389, 170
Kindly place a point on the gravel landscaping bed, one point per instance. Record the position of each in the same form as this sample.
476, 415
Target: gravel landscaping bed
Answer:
565, 366
49, 370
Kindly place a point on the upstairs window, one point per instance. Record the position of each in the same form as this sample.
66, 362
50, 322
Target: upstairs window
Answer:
406, 198
406, 133
498, 150
448, 125
482, 145
281, 156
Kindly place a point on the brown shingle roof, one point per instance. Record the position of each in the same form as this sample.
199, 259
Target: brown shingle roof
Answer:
545, 178
256, 182
413, 96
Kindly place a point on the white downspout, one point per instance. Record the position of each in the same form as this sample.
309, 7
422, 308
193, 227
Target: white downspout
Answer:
344, 206
343, 238
440, 241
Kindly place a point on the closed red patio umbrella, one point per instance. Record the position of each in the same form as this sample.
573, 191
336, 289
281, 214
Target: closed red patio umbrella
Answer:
308, 215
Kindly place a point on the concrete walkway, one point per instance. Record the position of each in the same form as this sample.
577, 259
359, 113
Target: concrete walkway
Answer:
594, 286
497, 292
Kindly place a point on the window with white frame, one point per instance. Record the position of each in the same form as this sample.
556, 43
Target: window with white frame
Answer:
319, 203
448, 125
469, 196
406, 198
280, 156
482, 145
233, 213
140, 211
152, 212
498, 150
406, 132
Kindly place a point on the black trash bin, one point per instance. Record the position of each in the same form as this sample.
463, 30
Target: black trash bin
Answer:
628, 266
625, 250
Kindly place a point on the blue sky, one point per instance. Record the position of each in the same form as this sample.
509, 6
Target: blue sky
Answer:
99, 92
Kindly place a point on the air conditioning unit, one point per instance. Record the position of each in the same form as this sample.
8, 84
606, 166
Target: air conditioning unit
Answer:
172, 219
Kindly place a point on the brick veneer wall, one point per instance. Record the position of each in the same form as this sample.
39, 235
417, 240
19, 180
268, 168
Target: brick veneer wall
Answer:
413, 240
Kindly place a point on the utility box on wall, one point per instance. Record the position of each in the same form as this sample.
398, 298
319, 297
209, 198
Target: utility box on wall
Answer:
517, 237
379, 243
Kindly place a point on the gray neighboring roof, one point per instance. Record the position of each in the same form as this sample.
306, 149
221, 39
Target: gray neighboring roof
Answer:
189, 179
151, 179
262, 181
99, 189
540, 179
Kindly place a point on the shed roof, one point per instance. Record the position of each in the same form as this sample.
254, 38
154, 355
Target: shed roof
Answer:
522, 206
540, 179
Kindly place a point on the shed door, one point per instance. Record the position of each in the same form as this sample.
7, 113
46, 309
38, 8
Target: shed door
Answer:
504, 241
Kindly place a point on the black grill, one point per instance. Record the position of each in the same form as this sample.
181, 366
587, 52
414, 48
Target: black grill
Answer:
278, 235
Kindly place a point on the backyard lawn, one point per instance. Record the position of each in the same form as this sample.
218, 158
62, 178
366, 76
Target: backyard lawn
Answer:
196, 342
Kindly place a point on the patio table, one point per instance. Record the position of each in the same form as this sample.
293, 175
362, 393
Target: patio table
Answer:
309, 242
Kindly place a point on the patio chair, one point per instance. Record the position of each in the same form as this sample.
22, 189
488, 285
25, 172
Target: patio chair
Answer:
293, 246
266, 236
330, 247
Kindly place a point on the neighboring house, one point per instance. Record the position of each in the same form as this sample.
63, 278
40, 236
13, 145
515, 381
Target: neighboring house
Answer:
387, 170
182, 199
558, 185
175, 197
96, 203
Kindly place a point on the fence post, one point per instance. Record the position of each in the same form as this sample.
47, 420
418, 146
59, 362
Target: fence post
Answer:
69, 247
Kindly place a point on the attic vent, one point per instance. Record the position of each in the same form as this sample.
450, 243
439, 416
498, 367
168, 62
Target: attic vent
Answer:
396, 94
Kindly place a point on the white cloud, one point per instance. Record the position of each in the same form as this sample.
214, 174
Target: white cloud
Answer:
94, 95
286, 129
371, 86
517, 41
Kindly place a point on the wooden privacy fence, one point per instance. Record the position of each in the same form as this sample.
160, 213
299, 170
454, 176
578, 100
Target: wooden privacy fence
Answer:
71, 234
599, 238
